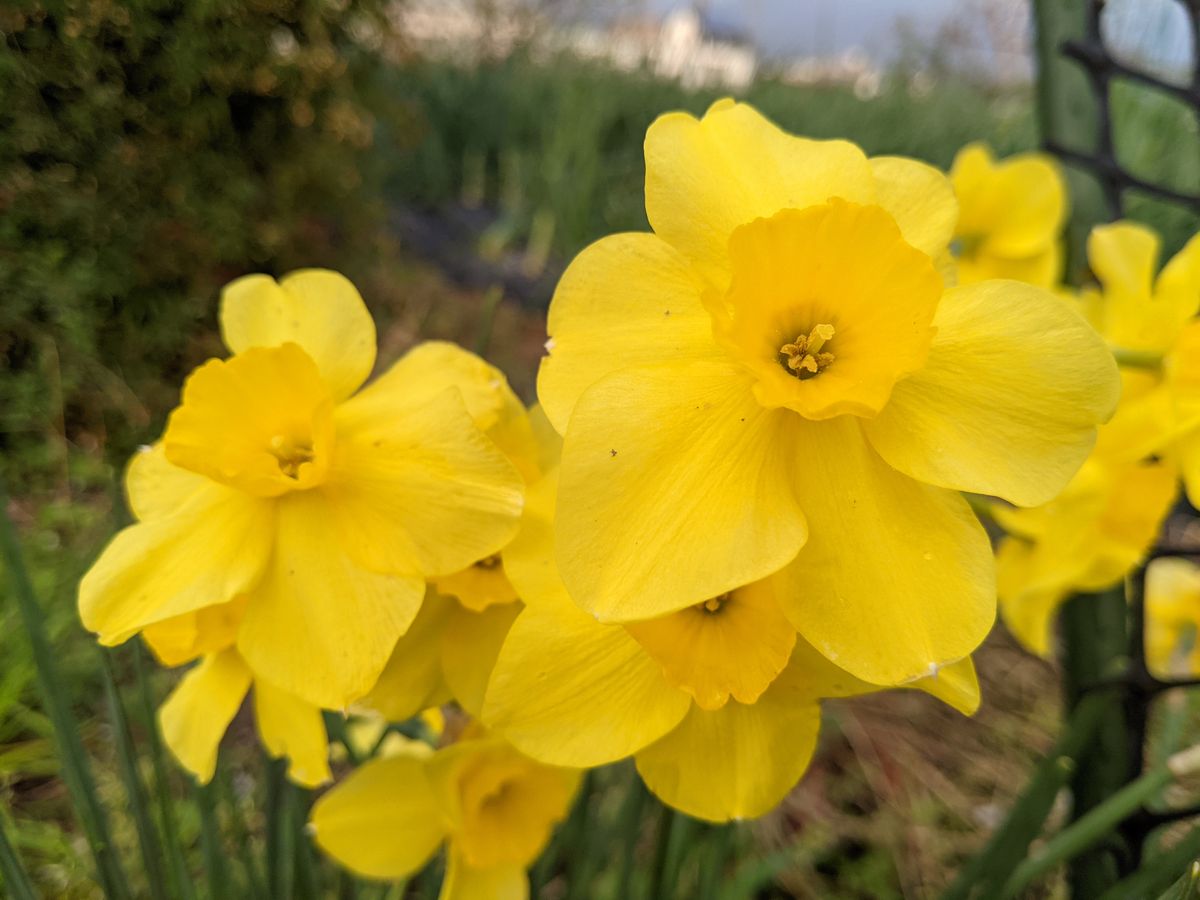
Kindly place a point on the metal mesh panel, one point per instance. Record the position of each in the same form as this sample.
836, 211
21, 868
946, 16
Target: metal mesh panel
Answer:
1102, 70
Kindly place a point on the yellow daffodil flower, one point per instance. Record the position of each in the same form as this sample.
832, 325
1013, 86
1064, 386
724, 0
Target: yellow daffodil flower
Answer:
1173, 617
1011, 217
1149, 321
1087, 539
449, 651
493, 808
778, 379
718, 703
325, 509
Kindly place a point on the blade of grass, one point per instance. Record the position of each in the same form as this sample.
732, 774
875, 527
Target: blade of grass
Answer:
75, 770
181, 882
1159, 871
659, 883
135, 790
986, 872
215, 875
631, 830
306, 874
16, 883
280, 861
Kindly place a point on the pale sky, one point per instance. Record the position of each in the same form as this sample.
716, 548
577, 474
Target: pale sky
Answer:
789, 27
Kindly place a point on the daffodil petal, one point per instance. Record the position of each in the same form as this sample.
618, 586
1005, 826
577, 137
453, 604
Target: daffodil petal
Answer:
412, 679
155, 488
897, 577
570, 691
180, 639
428, 369
290, 727
1009, 400
956, 685
418, 488
465, 882
383, 821
920, 199
736, 762
529, 558
626, 300
208, 551
194, 718
470, 645
679, 490
317, 309
318, 626
705, 177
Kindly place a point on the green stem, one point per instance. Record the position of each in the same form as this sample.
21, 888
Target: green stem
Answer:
1159, 872
135, 789
75, 770
660, 887
16, 881
630, 830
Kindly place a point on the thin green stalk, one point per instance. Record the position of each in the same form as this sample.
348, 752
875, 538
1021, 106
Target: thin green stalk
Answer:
660, 886
1187, 887
1159, 871
306, 875
630, 822
985, 874
1101, 820
16, 883
181, 881
135, 790
216, 876
75, 770
487, 318
714, 860
280, 861
255, 883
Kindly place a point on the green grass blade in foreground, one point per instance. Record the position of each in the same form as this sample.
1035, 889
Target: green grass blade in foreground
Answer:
1100, 821
16, 883
1187, 887
75, 771
135, 790
181, 881
987, 871
1158, 872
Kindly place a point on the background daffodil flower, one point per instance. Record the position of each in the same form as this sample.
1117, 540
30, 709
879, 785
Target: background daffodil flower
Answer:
1011, 216
777, 379
1086, 539
325, 509
703, 698
493, 808
1173, 617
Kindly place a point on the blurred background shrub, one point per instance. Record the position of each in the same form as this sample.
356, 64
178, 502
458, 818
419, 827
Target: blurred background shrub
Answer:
150, 151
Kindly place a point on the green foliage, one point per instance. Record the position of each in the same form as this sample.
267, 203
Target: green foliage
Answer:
565, 138
149, 152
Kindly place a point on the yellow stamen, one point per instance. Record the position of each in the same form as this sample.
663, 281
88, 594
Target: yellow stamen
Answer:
804, 357
714, 604
290, 454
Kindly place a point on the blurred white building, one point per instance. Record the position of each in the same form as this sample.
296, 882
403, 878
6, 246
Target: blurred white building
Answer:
686, 45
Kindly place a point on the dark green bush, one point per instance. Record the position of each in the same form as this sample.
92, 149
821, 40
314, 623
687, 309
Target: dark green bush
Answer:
149, 152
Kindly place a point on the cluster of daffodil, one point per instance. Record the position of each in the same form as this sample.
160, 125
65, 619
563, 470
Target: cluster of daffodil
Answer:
742, 494
1103, 524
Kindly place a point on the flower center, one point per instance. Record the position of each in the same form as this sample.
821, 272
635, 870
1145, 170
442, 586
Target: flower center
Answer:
488, 562
291, 454
714, 604
804, 357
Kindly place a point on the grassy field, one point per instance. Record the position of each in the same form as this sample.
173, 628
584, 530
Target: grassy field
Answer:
551, 156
